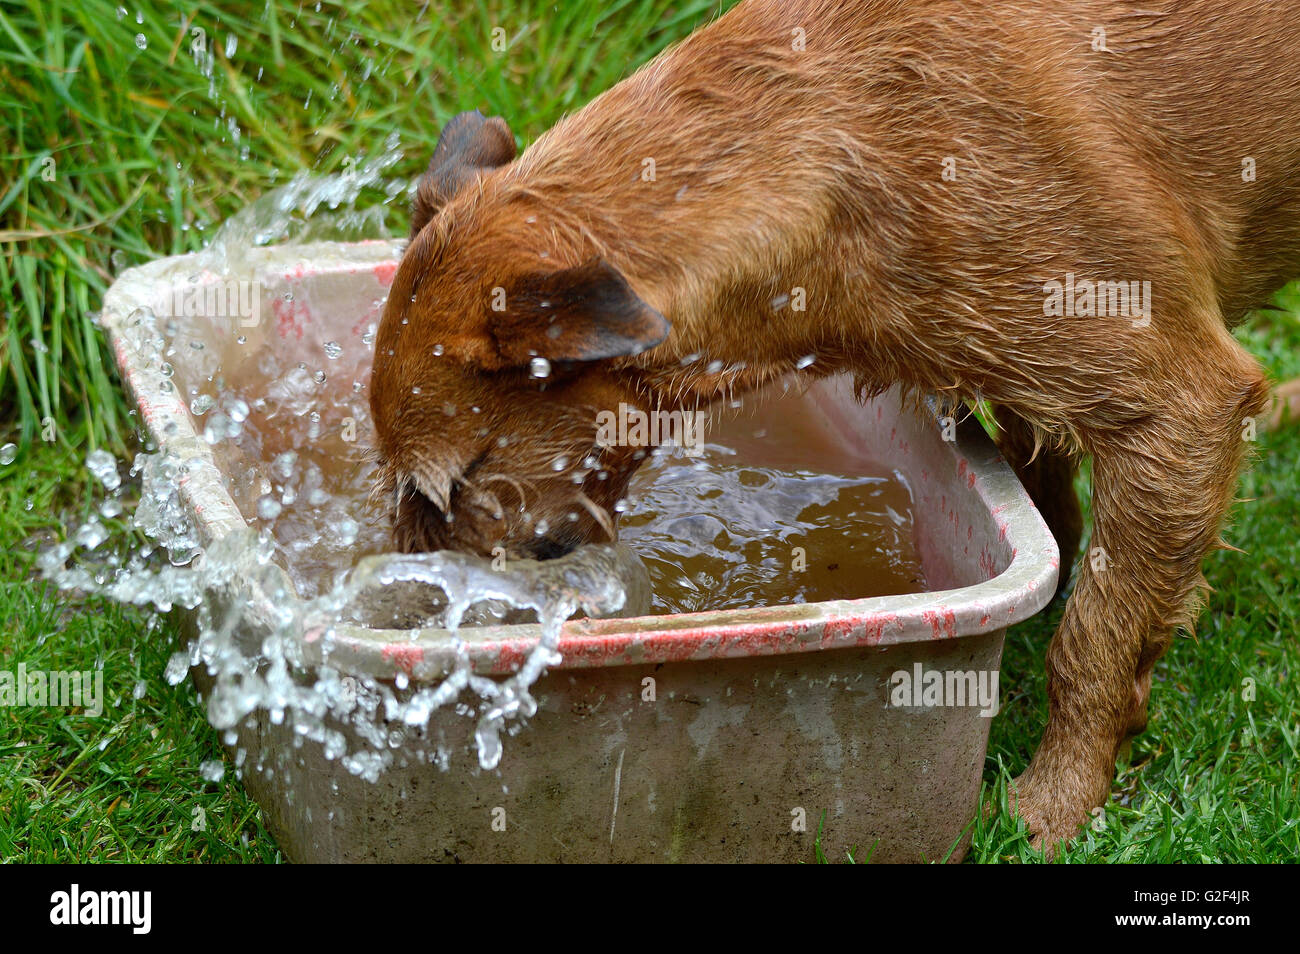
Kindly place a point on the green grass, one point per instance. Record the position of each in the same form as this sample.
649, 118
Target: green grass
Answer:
114, 155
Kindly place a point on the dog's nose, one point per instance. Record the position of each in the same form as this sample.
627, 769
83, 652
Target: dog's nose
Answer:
550, 548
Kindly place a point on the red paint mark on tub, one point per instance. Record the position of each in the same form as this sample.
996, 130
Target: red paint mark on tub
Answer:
509, 657
970, 479
404, 657
987, 563
364, 323
837, 629
943, 623
290, 317
984, 620
384, 273
875, 627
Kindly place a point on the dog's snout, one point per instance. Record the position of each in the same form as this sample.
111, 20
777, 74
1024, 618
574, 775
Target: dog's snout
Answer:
551, 548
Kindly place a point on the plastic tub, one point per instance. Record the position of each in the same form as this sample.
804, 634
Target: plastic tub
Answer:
765, 723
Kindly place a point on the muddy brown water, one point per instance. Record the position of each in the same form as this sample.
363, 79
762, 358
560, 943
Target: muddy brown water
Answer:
771, 513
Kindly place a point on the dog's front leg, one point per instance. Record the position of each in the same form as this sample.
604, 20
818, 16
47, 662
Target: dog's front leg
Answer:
1162, 484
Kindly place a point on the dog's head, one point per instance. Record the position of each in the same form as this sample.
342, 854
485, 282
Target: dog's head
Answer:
499, 347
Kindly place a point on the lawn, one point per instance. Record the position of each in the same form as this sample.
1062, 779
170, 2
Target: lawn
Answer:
132, 133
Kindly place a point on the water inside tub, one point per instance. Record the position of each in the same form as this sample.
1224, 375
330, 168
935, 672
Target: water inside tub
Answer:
763, 517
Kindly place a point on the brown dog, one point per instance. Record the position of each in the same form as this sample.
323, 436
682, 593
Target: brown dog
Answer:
1055, 206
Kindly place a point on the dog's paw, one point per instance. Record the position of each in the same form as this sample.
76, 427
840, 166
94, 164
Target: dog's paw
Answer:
1053, 814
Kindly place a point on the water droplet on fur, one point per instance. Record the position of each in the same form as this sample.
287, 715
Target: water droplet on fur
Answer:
539, 368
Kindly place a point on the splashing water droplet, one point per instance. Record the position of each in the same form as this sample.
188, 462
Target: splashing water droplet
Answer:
140, 41
283, 464
177, 666
91, 534
333, 350
348, 531
539, 368
104, 466
805, 361
212, 770
8, 453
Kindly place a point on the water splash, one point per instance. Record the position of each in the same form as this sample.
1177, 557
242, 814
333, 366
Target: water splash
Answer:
311, 207
273, 599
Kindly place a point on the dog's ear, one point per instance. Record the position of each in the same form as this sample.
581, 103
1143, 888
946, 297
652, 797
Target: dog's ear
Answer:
584, 313
470, 143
